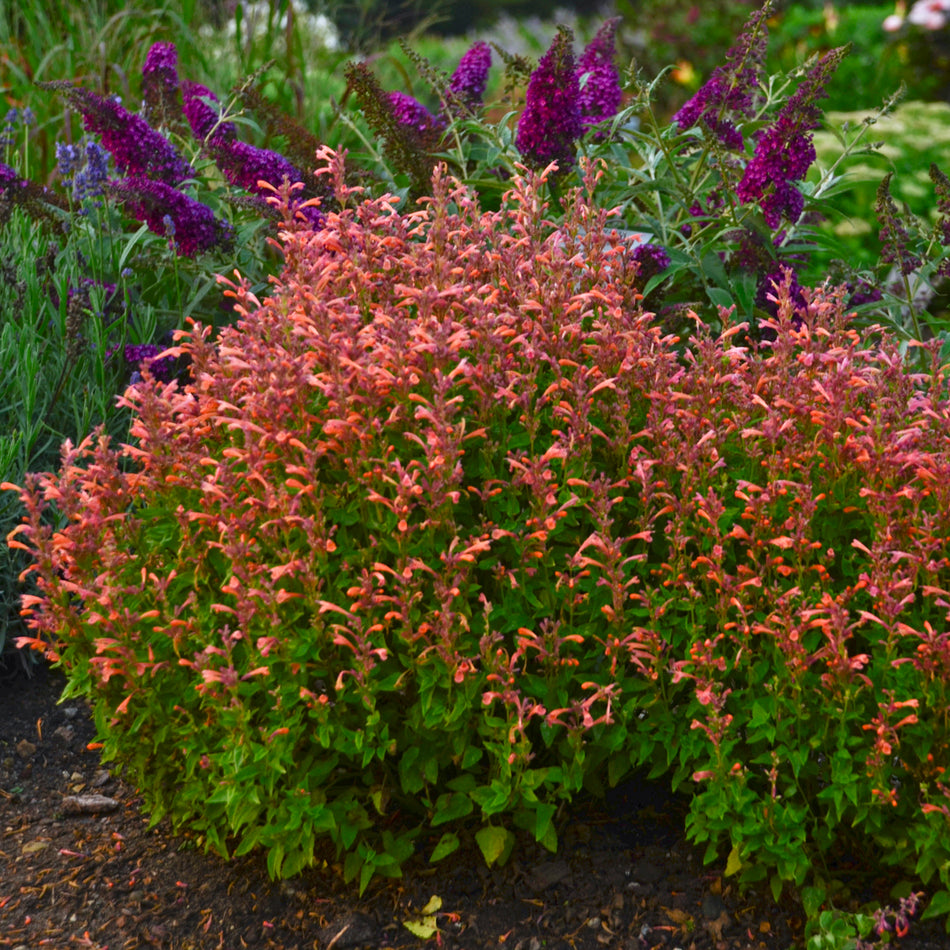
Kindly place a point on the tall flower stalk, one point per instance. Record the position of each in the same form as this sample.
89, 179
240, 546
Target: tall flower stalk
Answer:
551, 123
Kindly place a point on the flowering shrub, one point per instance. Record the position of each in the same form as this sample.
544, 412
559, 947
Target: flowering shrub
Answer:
456, 533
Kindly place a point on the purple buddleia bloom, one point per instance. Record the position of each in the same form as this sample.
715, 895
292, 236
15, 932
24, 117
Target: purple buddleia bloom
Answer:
245, 165
195, 227
36, 200
731, 90
8, 176
468, 82
550, 125
160, 84
894, 237
863, 292
651, 259
138, 150
785, 151
161, 369
600, 94
412, 115
203, 118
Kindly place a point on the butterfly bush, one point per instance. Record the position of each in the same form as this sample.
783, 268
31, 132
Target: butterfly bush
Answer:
161, 95
137, 149
785, 151
732, 91
470, 77
189, 224
599, 95
551, 123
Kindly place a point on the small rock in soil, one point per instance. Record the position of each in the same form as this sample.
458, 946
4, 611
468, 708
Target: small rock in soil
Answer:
547, 874
645, 872
88, 804
350, 930
25, 749
713, 906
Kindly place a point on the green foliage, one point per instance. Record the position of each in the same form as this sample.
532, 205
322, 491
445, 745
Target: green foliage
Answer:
875, 66
911, 138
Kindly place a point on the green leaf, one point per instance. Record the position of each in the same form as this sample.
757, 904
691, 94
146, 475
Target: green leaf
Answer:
720, 297
549, 839
543, 814
448, 843
450, 806
938, 906
733, 862
275, 858
495, 843
776, 884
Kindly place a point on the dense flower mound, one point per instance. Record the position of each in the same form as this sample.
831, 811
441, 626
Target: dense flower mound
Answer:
447, 526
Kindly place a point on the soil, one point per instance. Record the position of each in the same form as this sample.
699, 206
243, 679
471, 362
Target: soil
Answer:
80, 868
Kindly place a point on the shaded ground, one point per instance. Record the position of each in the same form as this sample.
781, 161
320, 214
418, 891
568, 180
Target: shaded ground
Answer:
624, 877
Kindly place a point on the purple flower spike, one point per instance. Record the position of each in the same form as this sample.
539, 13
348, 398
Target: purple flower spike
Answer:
731, 89
550, 125
202, 117
471, 76
193, 224
138, 150
414, 116
600, 94
161, 369
245, 165
8, 176
652, 260
160, 83
785, 151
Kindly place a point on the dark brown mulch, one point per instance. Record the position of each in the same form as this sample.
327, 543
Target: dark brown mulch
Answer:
624, 876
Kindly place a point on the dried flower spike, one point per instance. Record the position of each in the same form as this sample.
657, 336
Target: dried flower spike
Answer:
894, 236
